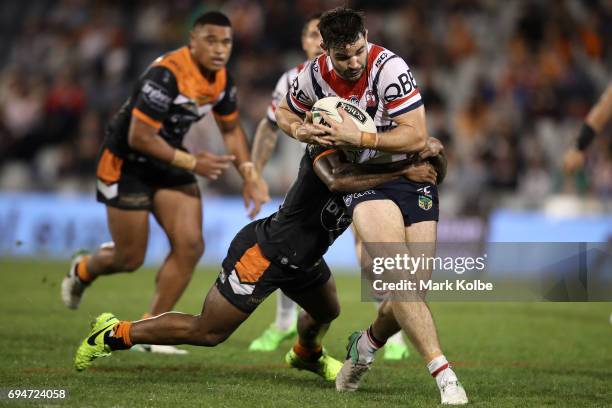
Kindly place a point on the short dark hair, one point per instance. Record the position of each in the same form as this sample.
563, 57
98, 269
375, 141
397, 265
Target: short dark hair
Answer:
341, 26
313, 16
214, 18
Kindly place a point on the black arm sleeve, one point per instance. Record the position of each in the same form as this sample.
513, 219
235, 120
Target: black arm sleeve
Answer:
586, 136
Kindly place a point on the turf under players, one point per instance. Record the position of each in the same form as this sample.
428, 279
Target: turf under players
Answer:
143, 167
284, 251
399, 212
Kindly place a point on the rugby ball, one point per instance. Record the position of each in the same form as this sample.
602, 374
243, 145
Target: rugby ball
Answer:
362, 119
330, 106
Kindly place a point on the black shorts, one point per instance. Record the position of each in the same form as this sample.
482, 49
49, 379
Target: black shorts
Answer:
247, 277
131, 184
417, 201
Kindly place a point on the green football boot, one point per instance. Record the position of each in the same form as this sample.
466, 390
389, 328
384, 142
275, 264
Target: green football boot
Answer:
94, 345
396, 351
326, 366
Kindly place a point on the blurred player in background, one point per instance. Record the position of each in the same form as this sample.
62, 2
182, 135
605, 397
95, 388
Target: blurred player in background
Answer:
400, 212
597, 119
144, 168
284, 326
283, 251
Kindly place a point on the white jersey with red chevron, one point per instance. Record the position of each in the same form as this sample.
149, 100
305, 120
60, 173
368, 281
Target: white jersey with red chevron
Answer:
282, 87
385, 90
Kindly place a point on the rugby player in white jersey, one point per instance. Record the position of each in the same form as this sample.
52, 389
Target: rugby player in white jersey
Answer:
284, 326
399, 212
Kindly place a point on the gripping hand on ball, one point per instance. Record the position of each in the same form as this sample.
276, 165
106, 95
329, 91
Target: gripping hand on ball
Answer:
341, 133
307, 132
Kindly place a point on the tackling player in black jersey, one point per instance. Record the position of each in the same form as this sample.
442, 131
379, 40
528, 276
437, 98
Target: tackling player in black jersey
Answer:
284, 250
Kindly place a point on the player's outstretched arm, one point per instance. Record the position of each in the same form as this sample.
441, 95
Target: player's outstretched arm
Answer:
264, 142
343, 177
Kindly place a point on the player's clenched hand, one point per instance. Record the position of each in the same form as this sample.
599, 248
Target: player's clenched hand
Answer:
306, 132
421, 173
573, 160
432, 149
255, 191
341, 133
210, 165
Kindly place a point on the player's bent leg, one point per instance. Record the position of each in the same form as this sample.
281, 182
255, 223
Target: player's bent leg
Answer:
129, 230
218, 320
283, 328
321, 307
179, 212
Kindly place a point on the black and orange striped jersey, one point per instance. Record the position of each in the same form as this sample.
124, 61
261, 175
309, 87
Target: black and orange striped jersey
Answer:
171, 95
309, 220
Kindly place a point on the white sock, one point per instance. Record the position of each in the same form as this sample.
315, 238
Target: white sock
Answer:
286, 312
366, 347
441, 370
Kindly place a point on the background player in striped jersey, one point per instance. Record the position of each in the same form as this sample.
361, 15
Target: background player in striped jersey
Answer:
284, 325
144, 168
400, 212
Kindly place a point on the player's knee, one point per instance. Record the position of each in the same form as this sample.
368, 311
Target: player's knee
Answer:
334, 312
329, 315
129, 261
132, 263
191, 247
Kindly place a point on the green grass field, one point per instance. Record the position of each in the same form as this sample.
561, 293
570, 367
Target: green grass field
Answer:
506, 354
